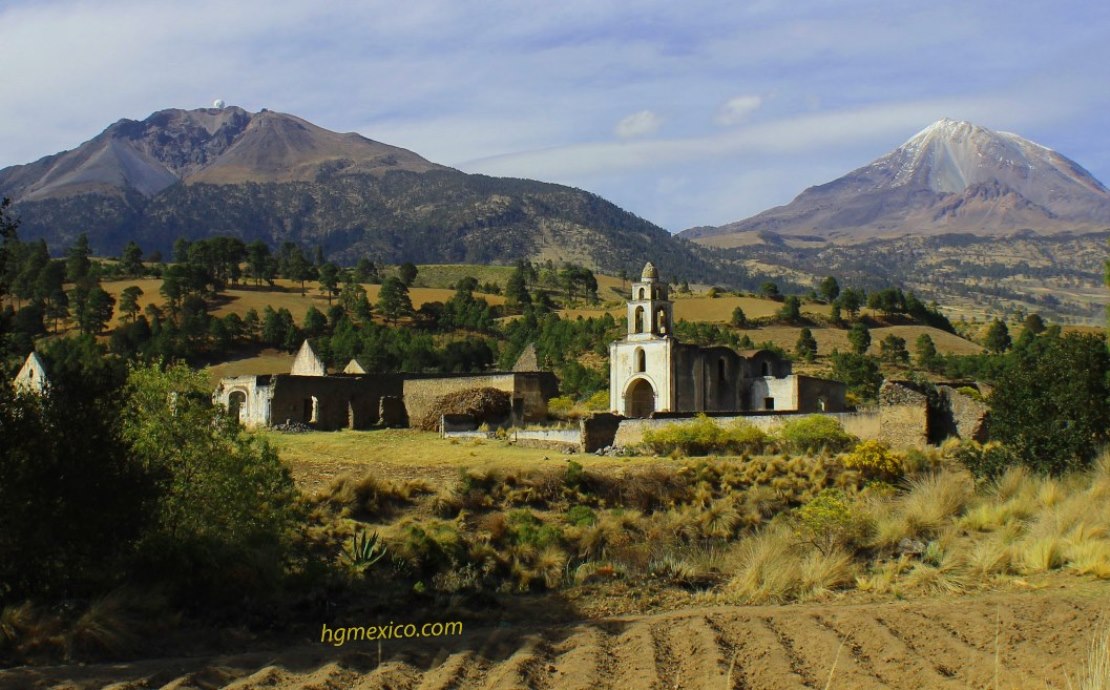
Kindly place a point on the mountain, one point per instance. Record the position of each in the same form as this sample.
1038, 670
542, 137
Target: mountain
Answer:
276, 177
952, 177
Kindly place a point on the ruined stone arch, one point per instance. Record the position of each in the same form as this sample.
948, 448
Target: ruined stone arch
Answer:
236, 402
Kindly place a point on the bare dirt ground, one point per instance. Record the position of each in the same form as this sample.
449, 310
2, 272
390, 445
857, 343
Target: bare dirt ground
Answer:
1033, 639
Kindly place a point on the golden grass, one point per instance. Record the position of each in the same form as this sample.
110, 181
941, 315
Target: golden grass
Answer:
772, 567
239, 299
408, 448
1096, 674
268, 361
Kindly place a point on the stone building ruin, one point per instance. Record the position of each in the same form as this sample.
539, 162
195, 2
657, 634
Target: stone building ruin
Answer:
651, 372
309, 395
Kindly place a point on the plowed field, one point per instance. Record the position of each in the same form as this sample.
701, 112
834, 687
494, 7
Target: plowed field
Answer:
1036, 639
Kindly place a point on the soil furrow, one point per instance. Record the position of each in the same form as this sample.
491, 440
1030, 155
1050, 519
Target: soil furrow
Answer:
850, 648
733, 655
797, 664
527, 668
890, 659
395, 675
583, 660
666, 665
699, 657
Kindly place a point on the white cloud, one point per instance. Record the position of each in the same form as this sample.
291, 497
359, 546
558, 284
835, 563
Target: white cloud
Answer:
638, 124
737, 109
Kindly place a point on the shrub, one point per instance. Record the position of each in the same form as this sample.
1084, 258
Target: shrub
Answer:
816, 433
598, 402
703, 436
874, 460
581, 516
985, 460
526, 529
560, 407
429, 547
831, 521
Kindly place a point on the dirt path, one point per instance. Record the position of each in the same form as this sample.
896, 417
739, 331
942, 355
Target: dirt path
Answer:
1035, 639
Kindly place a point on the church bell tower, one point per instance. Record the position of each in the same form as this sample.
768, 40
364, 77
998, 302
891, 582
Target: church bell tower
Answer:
650, 311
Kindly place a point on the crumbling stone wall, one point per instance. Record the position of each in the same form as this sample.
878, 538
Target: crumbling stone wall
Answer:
967, 418
529, 391
331, 402
903, 414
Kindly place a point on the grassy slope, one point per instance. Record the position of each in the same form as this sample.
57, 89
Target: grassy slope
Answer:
433, 282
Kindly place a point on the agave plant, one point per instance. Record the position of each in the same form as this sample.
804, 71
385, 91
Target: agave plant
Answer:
362, 551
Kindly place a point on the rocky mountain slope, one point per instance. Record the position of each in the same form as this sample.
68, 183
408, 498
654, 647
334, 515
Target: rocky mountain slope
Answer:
952, 177
277, 178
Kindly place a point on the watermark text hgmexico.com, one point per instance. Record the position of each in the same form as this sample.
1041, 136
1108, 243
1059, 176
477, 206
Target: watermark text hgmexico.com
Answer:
339, 636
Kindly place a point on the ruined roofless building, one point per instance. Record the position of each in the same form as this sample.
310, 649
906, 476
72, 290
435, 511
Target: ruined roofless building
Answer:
32, 376
650, 371
355, 399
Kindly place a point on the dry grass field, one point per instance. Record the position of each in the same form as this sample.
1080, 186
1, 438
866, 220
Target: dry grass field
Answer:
286, 294
830, 338
1011, 592
403, 454
712, 309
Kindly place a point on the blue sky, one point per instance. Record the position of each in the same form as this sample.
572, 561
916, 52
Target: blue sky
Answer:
692, 113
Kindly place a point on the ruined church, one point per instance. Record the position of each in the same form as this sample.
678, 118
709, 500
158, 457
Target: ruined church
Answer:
651, 372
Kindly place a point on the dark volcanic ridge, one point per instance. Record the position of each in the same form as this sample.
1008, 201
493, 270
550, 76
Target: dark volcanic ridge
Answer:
275, 177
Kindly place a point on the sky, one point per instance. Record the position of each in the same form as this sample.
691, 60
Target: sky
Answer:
684, 113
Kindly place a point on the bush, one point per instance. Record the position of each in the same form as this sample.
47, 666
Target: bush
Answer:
815, 433
703, 436
581, 516
1051, 404
598, 402
225, 504
560, 407
985, 460
526, 528
831, 521
874, 460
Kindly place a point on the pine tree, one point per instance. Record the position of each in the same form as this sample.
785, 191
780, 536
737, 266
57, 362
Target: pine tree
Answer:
806, 347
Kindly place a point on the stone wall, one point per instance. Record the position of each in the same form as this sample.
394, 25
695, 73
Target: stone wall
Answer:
903, 414
599, 431
532, 389
811, 391
336, 402
254, 411
966, 417
865, 424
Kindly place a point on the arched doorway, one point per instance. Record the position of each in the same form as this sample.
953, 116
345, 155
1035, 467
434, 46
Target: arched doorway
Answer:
639, 400
236, 401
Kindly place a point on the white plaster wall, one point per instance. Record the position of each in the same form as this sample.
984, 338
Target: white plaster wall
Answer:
784, 391
256, 411
622, 369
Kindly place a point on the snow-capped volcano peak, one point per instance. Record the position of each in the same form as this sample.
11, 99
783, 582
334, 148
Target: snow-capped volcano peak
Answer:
952, 176
949, 156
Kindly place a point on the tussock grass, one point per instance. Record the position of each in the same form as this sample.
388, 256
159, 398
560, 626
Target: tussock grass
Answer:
773, 568
1096, 674
931, 501
369, 497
